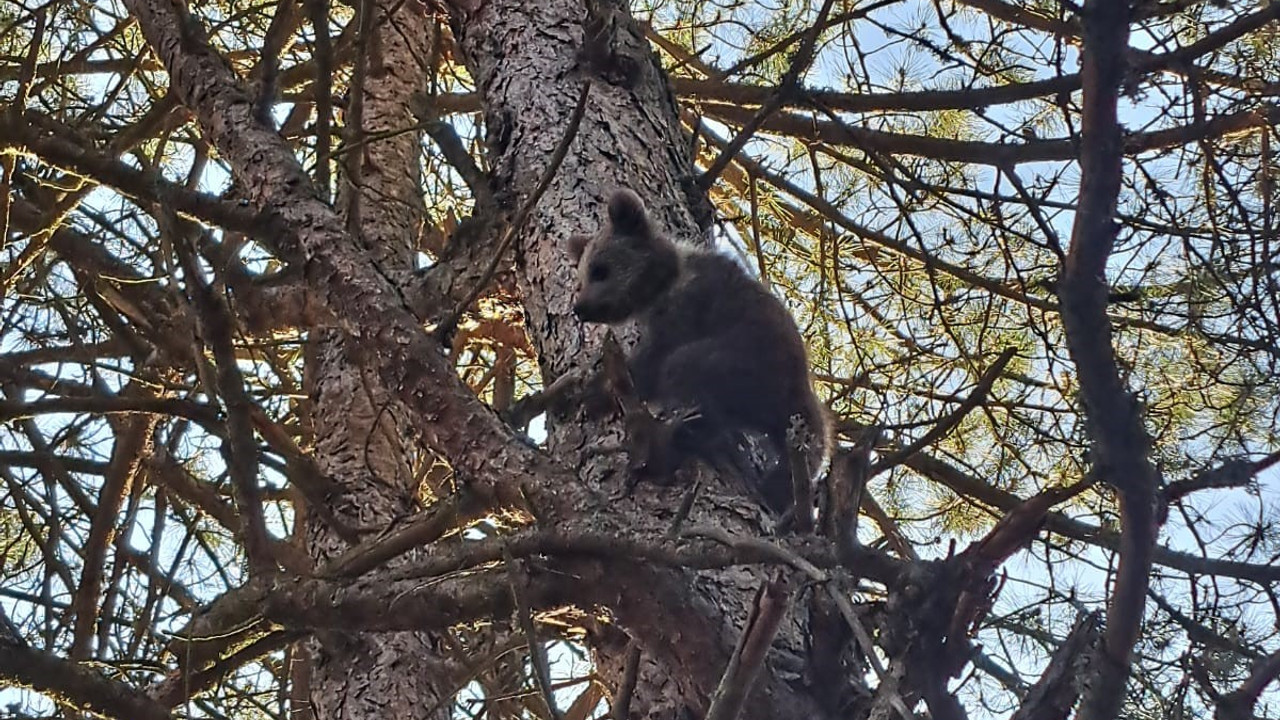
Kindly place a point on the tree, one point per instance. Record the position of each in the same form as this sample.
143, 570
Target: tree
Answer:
299, 422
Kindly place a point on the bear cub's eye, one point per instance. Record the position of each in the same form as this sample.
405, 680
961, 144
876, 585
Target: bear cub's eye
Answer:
598, 272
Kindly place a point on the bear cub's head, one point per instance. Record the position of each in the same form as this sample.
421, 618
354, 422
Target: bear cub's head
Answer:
625, 267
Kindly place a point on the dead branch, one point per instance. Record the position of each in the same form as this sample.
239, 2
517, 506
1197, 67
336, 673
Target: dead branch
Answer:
771, 603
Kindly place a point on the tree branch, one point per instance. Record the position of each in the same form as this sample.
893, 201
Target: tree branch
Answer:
1055, 693
1120, 445
1232, 473
133, 442
787, 88
64, 148
771, 603
517, 223
388, 336
74, 685
1238, 705
239, 449
997, 154
948, 423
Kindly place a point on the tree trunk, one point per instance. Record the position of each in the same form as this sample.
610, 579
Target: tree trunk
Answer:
362, 437
524, 58
529, 62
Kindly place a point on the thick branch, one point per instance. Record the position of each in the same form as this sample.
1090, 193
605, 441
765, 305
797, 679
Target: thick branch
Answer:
1238, 705
368, 307
1055, 693
979, 152
73, 684
1120, 444
767, 612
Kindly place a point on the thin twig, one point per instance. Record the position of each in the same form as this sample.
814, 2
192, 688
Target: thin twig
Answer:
522, 215
524, 410
517, 576
190, 680
946, 424
239, 448
786, 42
430, 526
456, 154
787, 88
759, 545
1033, 207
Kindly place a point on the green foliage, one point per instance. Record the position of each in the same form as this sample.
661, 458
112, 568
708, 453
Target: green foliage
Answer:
912, 220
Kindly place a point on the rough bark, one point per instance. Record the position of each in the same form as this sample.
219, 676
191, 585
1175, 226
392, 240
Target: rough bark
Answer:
363, 439
686, 621
379, 382
529, 62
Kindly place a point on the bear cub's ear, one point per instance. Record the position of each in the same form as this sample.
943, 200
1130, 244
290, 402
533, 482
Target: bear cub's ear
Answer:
576, 245
627, 213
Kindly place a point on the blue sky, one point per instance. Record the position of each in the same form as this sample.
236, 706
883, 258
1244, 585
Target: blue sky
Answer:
1218, 506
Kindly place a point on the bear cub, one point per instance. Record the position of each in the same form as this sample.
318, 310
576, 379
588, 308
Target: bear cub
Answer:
714, 344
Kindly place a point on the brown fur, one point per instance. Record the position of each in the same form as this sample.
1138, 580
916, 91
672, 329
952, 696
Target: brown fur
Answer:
711, 339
